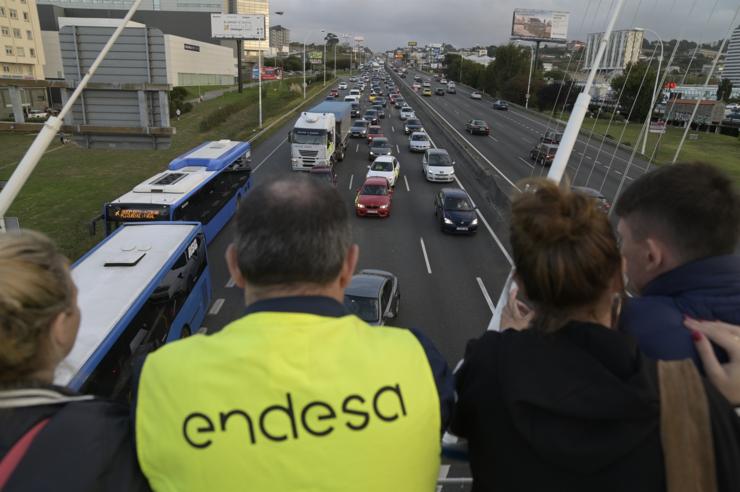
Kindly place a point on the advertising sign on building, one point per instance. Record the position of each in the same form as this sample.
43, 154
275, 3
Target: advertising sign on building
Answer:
238, 26
412, 43
544, 25
268, 73
315, 57
657, 127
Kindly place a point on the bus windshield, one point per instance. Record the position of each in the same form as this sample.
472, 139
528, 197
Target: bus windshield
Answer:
309, 137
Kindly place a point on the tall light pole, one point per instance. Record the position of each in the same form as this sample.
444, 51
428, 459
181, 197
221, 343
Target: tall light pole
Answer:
323, 59
529, 81
305, 40
649, 116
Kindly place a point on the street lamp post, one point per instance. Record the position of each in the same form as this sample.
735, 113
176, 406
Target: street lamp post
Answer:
655, 89
529, 81
305, 40
323, 59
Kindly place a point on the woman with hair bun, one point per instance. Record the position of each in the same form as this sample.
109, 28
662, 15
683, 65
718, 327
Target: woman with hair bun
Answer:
51, 438
564, 401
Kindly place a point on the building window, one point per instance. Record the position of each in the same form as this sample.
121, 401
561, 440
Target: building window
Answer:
5, 31
6, 69
32, 52
24, 1
17, 33
20, 51
9, 50
26, 17
2, 14
29, 35
13, 14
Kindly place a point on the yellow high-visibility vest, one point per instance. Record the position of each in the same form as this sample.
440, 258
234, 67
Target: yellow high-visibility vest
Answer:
289, 402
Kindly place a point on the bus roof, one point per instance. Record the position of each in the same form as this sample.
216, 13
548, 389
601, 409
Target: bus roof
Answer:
107, 294
186, 173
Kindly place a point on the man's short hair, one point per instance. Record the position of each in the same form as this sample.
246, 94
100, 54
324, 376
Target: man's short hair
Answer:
292, 230
693, 207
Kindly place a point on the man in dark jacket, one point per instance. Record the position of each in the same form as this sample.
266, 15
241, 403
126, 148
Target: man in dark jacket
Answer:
679, 228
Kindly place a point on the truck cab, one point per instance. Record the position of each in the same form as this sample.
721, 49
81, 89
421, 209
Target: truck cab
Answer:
320, 135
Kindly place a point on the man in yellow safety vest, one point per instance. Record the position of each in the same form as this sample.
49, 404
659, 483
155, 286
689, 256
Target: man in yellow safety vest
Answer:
298, 394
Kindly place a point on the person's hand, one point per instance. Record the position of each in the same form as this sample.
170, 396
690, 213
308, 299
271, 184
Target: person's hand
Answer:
516, 314
726, 377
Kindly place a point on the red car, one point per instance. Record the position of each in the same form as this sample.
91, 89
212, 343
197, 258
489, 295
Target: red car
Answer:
392, 98
374, 131
334, 93
374, 198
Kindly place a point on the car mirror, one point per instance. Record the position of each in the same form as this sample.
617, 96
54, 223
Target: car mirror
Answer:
453, 163
368, 166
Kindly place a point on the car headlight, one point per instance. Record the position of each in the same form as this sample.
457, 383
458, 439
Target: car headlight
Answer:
384, 207
360, 205
474, 222
448, 221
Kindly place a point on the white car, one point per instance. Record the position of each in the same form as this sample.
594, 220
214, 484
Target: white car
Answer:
406, 113
437, 166
419, 142
343, 86
416, 86
354, 92
385, 166
476, 95
443, 81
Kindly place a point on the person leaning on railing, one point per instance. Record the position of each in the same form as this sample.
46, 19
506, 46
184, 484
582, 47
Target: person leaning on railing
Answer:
570, 403
50, 437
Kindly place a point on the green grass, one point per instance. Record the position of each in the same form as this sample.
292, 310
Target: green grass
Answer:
193, 91
720, 150
70, 185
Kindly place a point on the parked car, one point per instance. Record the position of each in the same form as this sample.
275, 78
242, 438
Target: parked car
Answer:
543, 153
374, 197
476, 95
437, 166
601, 200
501, 105
412, 125
374, 296
439, 91
551, 137
324, 173
387, 167
378, 147
359, 128
419, 142
455, 211
374, 131
477, 127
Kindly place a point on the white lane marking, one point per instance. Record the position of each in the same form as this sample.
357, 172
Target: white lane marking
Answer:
527, 163
357, 149
492, 138
270, 154
589, 157
393, 129
217, 305
230, 283
443, 471
426, 258
491, 306
350, 181
398, 151
525, 139
203, 330
407, 183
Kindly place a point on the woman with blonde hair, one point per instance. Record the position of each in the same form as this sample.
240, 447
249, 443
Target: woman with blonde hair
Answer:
51, 438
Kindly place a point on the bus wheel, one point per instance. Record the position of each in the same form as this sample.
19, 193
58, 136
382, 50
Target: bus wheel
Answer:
185, 332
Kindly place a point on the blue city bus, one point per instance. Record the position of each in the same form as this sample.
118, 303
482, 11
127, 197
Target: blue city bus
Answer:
203, 185
145, 285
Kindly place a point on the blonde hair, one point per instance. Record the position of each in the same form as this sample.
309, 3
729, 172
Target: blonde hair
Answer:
35, 287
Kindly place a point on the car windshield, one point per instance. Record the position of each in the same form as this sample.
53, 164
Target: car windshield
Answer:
458, 204
439, 160
374, 189
384, 166
321, 176
413, 122
360, 123
375, 131
365, 308
309, 137
419, 137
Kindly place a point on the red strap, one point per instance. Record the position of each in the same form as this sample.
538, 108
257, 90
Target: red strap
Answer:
11, 460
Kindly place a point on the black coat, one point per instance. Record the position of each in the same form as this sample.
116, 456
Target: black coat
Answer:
578, 410
86, 446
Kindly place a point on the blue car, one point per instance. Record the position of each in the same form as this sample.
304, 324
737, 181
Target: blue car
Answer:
455, 211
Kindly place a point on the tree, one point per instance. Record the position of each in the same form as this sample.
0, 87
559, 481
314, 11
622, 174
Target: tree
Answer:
724, 90
556, 95
638, 87
506, 71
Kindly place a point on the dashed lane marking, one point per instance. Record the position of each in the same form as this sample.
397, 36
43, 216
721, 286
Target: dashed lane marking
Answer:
426, 258
217, 305
491, 306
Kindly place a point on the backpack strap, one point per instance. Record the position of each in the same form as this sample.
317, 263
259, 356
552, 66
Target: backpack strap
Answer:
11, 460
686, 429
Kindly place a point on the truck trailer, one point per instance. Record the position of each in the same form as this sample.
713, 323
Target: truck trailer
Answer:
320, 135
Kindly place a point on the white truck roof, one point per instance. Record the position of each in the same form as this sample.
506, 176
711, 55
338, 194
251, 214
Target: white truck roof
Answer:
315, 121
107, 293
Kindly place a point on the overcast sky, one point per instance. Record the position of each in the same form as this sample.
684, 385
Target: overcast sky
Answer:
386, 24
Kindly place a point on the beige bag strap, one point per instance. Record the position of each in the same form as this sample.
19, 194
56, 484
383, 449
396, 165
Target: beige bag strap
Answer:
685, 429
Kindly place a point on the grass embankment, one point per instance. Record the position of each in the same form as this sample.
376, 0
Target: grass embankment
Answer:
722, 151
71, 184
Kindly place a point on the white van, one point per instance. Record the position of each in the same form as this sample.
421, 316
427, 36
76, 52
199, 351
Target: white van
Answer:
354, 92
451, 89
352, 99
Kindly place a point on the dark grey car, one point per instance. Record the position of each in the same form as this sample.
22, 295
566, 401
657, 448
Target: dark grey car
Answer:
374, 296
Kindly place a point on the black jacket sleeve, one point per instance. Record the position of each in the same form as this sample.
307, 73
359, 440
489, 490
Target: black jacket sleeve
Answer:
442, 377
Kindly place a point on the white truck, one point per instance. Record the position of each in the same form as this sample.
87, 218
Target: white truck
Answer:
320, 135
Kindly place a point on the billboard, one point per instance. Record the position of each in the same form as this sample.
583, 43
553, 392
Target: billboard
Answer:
544, 25
316, 57
237, 26
268, 73
412, 43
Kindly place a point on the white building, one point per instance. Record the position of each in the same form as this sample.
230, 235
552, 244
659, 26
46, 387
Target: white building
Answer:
732, 61
624, 47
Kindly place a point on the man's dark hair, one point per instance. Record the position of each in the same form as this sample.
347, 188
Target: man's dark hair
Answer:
292, 230
693, 207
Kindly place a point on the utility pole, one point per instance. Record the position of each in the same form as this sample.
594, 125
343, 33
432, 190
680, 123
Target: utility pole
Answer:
239, 64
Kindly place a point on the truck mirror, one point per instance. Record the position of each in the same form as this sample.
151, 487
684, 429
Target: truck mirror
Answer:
290, 136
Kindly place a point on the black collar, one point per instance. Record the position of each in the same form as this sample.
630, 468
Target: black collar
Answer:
318, 305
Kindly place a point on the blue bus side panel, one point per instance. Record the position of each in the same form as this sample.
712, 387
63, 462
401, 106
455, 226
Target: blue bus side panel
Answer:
193, 311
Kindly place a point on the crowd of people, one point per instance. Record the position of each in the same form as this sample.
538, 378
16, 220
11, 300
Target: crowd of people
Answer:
585, 387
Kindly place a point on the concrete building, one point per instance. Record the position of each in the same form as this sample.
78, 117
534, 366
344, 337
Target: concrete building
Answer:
623, 48
279, 37
21, 53
252, 7
732, 61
